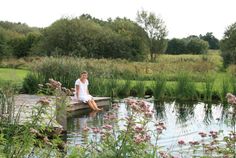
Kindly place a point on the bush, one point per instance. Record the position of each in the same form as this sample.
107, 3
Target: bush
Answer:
176, 46
197, 46
30, 83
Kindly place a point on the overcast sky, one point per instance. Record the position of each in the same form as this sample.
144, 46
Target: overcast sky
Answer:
182, 17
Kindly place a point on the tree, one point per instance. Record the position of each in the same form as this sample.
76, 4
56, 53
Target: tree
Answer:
156, 30
228, 45
2, 43
177, 46
92, 38
211, 39
197, 46
136, 38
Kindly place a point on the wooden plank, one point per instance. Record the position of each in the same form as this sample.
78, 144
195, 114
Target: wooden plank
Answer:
60, 120
101, 102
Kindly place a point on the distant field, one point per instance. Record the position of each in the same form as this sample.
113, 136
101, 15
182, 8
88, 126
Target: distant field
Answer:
14, 75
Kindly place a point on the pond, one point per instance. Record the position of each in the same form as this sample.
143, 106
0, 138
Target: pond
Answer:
183, 121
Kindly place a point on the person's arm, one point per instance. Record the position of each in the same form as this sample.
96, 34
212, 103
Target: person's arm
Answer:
77, 91
87, 88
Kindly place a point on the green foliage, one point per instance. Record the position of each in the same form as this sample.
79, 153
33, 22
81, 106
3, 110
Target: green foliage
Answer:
228, 45
20, 28
225, 89
30, 83
124, 89
2, 43
197, 46
233, 84
17, 39
189, 45
159, 87
208, 87
211, 39
140, 88
185, 88
177, 46
29, 138
156, 30
84, 37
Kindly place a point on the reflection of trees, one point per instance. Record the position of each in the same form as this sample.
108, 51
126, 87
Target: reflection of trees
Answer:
184, 111
208, 113
160, 109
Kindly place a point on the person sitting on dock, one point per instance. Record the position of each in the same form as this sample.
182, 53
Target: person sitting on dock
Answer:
82, 93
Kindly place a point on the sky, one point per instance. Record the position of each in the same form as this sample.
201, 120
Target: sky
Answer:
182, 17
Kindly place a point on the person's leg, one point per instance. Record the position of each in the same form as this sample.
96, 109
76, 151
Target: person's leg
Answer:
95, 104
91, 105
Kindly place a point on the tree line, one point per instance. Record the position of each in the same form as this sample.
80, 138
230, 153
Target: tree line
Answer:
89, 37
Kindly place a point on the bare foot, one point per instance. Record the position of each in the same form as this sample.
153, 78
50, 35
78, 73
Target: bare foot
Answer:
99, 109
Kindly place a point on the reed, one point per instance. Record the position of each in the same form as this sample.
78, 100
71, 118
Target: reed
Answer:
140, 88
185, 88
124, 89
159, 87
233, 84
225, 89
208, 87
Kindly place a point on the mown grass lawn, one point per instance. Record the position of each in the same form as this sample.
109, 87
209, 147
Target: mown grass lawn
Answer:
14, 75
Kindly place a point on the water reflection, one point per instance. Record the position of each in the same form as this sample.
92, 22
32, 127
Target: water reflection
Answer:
183, 121
208, 114
160, 110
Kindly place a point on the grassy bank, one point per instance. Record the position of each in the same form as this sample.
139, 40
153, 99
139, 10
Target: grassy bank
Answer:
15, 75
189, 77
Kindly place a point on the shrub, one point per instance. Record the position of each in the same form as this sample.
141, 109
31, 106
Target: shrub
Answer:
197, 46
30, 83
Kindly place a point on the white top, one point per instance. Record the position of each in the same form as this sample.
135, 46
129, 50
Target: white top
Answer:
83, 87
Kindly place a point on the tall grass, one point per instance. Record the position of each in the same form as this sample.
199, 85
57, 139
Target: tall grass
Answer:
233, 84
208, 87
106, 76
159, 87
225, 89
7, 106
185, 88
124, 88
140, 88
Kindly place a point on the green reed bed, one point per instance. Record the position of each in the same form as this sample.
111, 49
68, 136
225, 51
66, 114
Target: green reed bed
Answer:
233, 84
225, 89
159, 87
185, 87
120, 78
208, 87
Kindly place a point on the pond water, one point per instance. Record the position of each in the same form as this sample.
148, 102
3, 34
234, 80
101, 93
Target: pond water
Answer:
183, 121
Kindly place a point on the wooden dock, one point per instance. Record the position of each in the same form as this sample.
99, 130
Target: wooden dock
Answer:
25, 104
101, 102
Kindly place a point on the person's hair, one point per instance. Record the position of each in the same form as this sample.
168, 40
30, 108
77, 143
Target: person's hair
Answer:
83, 72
